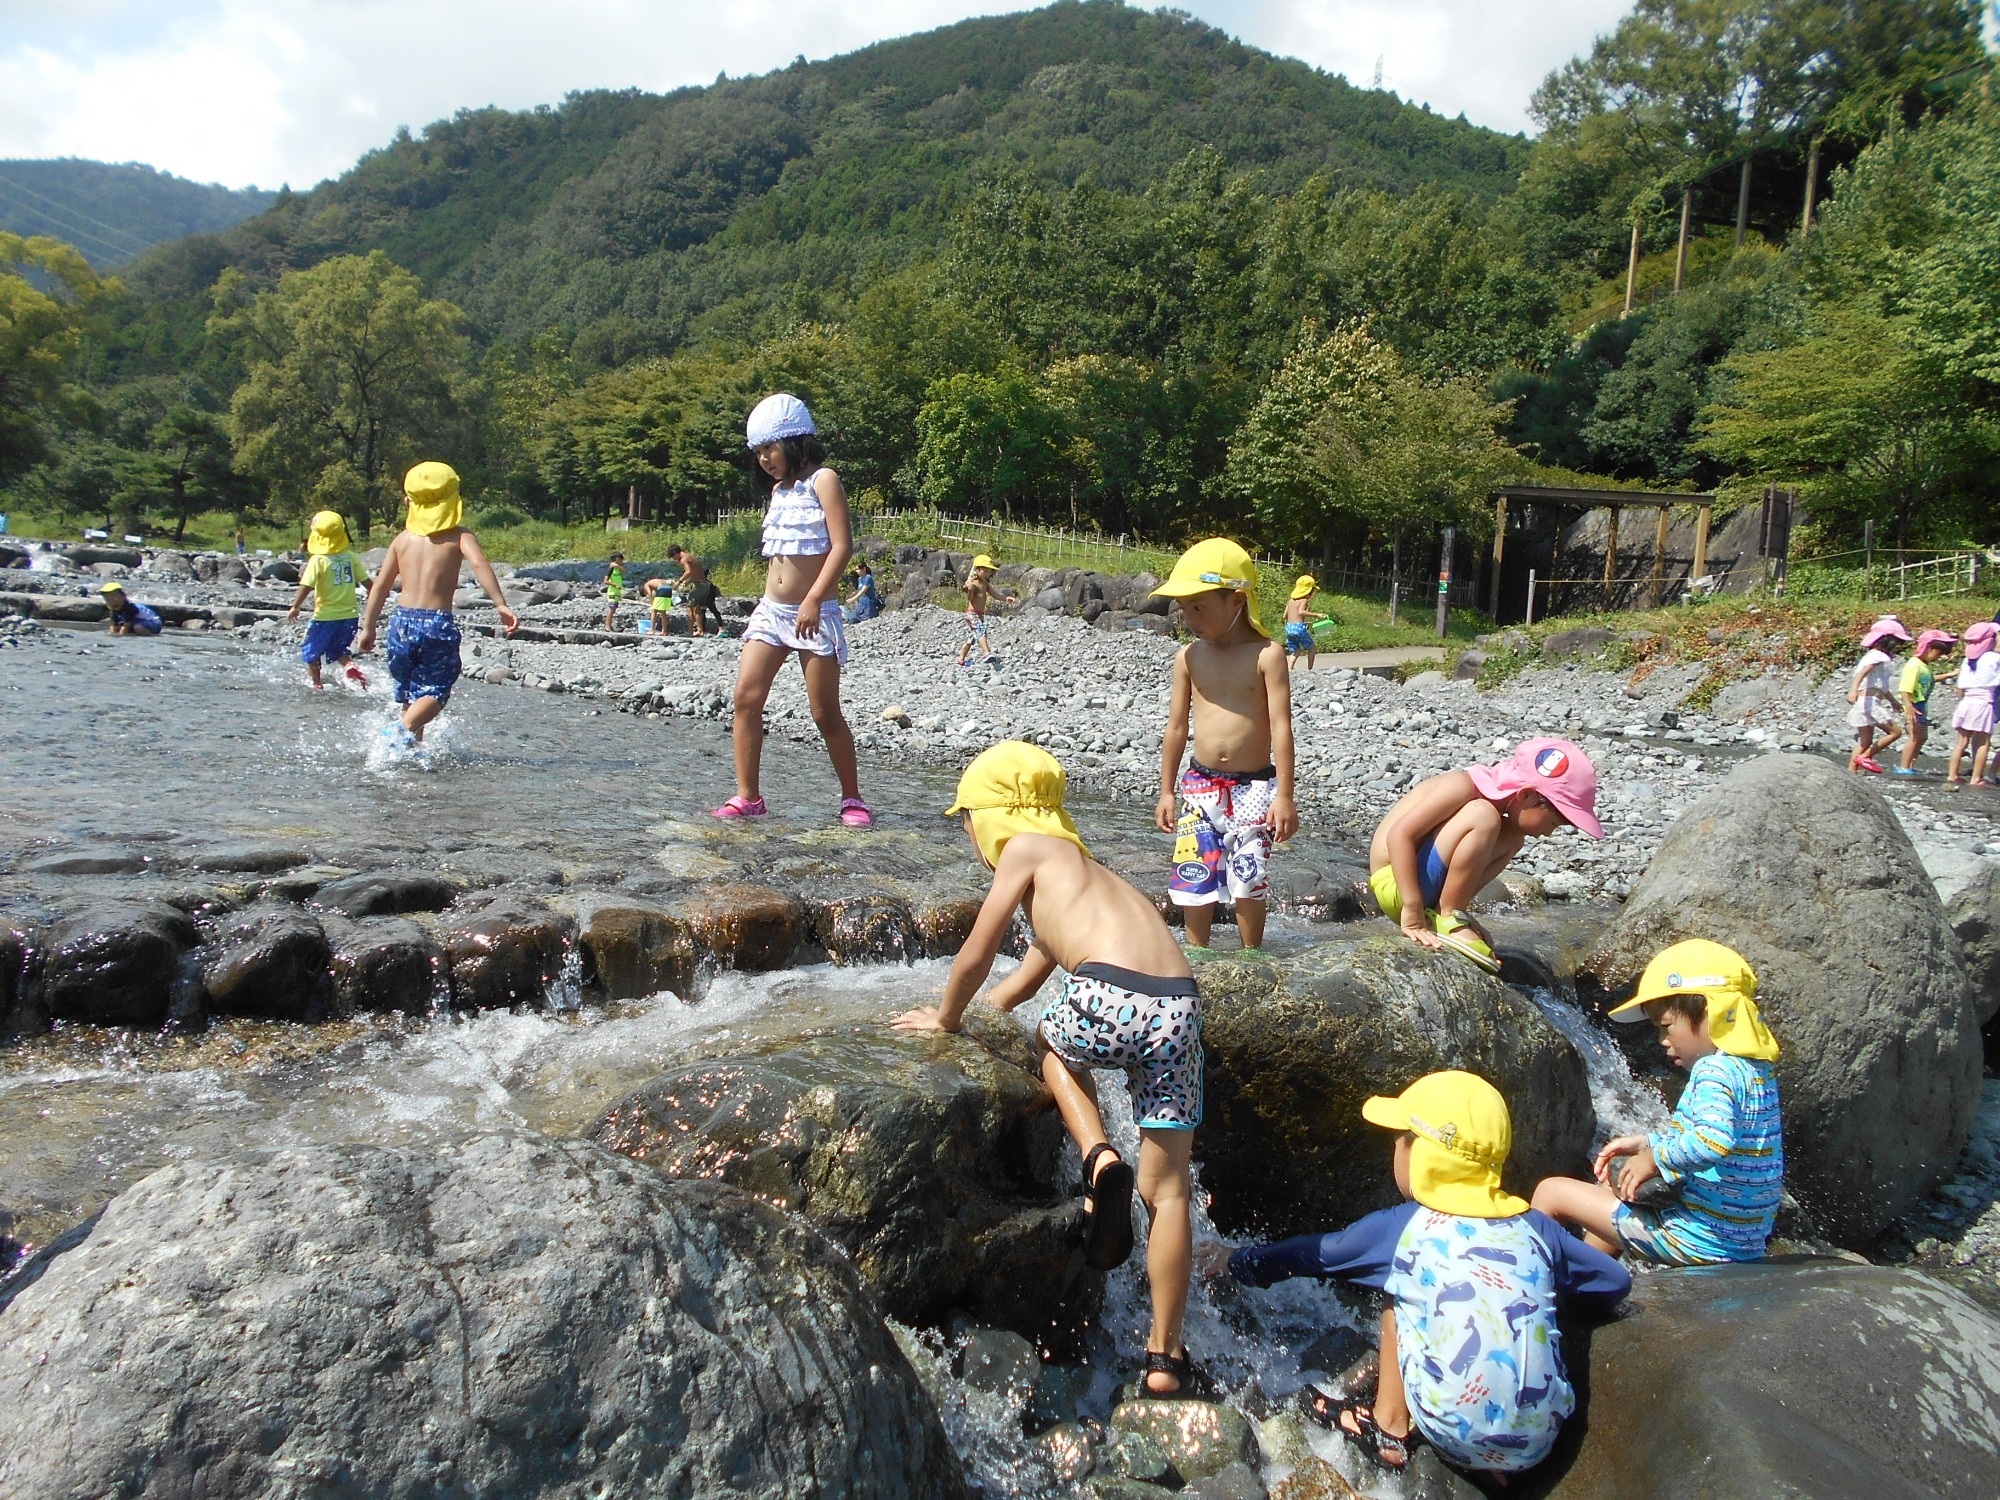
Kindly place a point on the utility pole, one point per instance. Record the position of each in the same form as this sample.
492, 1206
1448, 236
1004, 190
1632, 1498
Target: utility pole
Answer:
1681, 250
1743, 203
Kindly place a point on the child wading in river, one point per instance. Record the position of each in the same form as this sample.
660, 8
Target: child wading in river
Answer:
422, 643
333, 579
1876, 714
1724, 1148
1448, 836
1471, 1360
1919, 678
1973, 718
1128, 1000
125, 616
807, 540
1236, 795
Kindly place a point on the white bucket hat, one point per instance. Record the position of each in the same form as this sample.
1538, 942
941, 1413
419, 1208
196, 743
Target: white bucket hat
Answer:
778, 416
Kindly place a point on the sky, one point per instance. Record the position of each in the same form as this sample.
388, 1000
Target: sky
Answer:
268, 92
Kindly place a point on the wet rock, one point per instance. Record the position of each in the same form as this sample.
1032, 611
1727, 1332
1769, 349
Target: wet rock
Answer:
632, 949
387, 893
1313, 1479
748, 927
22, 1010
1974, 914
1282, 1441
122, 557
1821, 1378
274, 961
1293, 1049
115, 965
1057, 1397
1198, 1437
1135, 1455
931, 1158
1807, 873
253, 859
171, 565
944, 920
871, 927
488, 1315
1237, 1482
504, 950
998, 1361
1069, 1449
98, 862
1111, 1487
385, 963
75, 611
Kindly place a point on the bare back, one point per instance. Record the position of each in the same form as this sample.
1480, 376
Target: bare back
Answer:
1446, 809
1230, 702
1083, 913
427, 567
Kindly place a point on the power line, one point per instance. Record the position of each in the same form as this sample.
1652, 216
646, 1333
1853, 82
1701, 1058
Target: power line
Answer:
71, 209
71, 231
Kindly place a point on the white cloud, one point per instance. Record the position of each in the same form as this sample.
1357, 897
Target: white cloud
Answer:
270, 91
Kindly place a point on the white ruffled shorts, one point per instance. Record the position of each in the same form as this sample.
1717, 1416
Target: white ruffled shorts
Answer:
776, 624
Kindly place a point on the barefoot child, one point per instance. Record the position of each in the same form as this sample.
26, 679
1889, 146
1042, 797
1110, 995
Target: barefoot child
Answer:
1471, 1360
1724, 1148
807, 539
422, 644
1876, 714
614, 589
1917, 683
978, 595
1973, 718
1128, 1000
1298, 622
1449, 836
128, 616
1235, 798
332, 576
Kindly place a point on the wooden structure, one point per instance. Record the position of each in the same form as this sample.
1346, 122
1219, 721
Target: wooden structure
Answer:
1613, 501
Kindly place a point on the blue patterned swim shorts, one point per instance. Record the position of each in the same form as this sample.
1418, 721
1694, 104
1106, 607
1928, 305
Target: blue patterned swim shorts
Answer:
422, 648
1108, 1017
329, 640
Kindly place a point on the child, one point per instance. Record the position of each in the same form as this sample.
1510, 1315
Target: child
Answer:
1449, 836
1128, 1000
1871, 689
696, 591
128, 616
807, 539
659, 601
1724, 1148
867, 601
422, 644
1470, 1355
1918, 680
614, 589
332, 575
1236, 794
1298, 622
1973, 718
978, 594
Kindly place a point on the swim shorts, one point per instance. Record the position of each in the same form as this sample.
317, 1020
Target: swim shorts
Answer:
1222, 841
422, 648
328, 640
1108, 1017
1431, 872
1648, 1235
1298, 637
975, 628
777, 624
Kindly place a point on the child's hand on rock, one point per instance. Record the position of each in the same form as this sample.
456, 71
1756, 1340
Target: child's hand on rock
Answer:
1639, 1169
923, 1018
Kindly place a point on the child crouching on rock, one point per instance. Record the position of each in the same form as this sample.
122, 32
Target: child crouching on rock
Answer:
1128, 1001
1447, 837
1471, 1360
1724, 1148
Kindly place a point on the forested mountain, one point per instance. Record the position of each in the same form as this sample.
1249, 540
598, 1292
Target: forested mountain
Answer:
112, 213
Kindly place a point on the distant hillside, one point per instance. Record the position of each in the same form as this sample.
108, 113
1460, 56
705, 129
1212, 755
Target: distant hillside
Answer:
112, 213
634, 222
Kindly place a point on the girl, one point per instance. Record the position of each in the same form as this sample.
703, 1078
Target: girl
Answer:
1974, 717
807, 540
1918, 680
1876, 716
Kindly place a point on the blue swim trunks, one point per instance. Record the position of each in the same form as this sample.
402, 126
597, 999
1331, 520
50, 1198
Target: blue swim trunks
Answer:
422, 648
1298, 637
329, 640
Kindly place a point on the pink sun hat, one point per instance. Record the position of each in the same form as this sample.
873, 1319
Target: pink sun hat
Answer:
1929, 638
1979, 639
1886, 628
1560, 771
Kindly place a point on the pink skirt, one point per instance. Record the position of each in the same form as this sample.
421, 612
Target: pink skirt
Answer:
1974, 714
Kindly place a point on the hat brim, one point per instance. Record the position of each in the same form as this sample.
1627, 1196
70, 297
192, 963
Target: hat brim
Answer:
1186, 588
1578, 816
1390, 1114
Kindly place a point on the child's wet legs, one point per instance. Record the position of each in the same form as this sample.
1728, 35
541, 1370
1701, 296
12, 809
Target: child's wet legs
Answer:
1250, 921
419, 713
823, 697
755, 670
1200, 922
1076, 1102
1163, 1187
1585, 1204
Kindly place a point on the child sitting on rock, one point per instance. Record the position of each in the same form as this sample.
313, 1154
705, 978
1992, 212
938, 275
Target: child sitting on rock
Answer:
1875, 713
1471, 1360
1447, 837
128, 616
1236, 795
1724, 1147
1128, 1000
333, 579
1299, 616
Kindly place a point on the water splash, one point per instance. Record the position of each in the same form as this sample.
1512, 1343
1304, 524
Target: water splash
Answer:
1624, 1105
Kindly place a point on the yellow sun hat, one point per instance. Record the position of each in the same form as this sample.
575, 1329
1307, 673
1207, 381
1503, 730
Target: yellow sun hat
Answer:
1014, 787
432, 490
1463, 1136
1722, 977
1303, 589
983, 561
328, 534
1217, 563
113, 587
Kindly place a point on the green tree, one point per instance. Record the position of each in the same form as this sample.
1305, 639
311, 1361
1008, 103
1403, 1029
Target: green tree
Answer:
349, 365
988, 442
195, 471
47, 295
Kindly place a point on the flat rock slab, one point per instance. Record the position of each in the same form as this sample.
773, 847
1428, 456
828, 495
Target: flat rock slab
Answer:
251, 859
387, 893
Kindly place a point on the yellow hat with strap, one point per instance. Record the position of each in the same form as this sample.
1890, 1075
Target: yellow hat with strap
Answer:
328, 534
1014, 787
1217, 563
432, 490
1722, 977
983, 561
1463, 1134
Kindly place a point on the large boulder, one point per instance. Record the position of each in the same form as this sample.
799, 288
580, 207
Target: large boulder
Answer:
931, 1158
1974, 913
1819, 1378
1294, 1048
271, 961
490, 1315
115, 965
1806, 872
505, 949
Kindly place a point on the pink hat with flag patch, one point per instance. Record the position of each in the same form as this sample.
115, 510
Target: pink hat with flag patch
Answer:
1558, 770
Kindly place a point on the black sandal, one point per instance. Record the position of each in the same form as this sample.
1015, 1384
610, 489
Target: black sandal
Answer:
1107, 1225
1193, 1383
1385, 1448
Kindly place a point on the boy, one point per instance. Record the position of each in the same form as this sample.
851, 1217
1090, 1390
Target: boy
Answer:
1918, 681
660, 600
1298, 622
332, 575
1128, 1001
697, 591
1724, 1148
979, 594
422, 645
614, 589
128, 616
1236, 794
1470, 1355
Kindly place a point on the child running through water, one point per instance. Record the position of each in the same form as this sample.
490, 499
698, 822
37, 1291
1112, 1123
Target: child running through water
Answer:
1724, 1148
332, 577
979, 594
1128, 1000
1298, 622
1471, 1359
1876, 714
1447, 837
1236, 795
1918, 681
422, 643
807, 540
614, 589
1973, 718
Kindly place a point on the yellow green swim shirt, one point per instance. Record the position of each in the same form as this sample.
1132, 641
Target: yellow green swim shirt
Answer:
332, 577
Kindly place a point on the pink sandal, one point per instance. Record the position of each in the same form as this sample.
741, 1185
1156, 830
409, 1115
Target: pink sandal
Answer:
740, 807
855, 814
